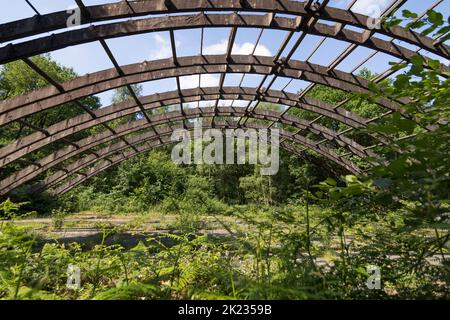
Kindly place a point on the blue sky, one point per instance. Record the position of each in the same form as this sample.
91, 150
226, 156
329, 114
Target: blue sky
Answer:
90, 57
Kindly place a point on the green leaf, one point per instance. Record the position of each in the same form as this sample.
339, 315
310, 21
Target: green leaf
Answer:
398, 166
409, 14
330, 181
416, 24
417, 61
351, 178
443, 30
401, 82
403, 124
407, 125
434, 64
398, 66
429, 30
436, 18
373, 87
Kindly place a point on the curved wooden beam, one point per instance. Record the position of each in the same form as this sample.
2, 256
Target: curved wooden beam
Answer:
118, 158
66, 128
58, 20
111, 150
86, 144
22, 106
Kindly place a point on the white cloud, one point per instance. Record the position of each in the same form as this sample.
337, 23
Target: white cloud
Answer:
162, 48
217, 48
244, 48
247, 48
206, 80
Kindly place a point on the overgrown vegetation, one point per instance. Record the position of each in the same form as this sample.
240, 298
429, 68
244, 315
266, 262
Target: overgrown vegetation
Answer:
306, 233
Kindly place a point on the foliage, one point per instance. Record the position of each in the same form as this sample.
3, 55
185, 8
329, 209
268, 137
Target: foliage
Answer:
9, 209
310, 232
58, 216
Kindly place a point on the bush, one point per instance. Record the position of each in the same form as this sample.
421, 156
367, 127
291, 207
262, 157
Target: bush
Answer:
58, 217
10, 210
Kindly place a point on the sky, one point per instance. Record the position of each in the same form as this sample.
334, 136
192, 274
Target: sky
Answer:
88, 58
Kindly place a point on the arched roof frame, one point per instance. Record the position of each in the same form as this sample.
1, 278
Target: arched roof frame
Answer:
49, 97
121, 131
161, 140
305, 19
